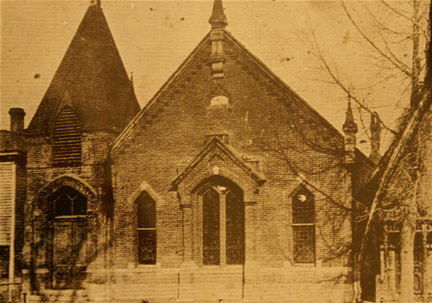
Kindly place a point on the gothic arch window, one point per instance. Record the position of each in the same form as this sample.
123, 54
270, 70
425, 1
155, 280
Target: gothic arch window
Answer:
303, 222
146, 229
69, 202
67, 138
222, 223
211, 227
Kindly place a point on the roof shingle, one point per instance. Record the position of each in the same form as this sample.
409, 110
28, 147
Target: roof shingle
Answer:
95, 79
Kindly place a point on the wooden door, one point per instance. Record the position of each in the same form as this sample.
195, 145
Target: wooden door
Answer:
69, 252
69, 238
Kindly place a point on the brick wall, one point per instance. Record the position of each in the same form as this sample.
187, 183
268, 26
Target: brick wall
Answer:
43, 179
261, 120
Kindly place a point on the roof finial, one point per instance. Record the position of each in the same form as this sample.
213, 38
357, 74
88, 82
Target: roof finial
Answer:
218, 18
349, 126
95, 2
350, 129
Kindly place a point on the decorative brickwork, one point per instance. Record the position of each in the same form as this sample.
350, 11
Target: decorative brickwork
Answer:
226, 186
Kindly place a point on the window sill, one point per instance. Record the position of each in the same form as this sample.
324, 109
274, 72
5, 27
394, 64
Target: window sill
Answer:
147, 266
234, 268
304, 264
67, 218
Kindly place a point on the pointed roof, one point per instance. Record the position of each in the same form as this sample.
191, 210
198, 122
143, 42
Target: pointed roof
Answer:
218, 18
349, 126
94, 78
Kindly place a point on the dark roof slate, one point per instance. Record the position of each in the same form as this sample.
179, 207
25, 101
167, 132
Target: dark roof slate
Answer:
93, 78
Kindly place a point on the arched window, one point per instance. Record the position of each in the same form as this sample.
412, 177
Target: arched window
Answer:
234, 227
67, 138
211, 226
223, 223
69, 202
146, 229
303, 221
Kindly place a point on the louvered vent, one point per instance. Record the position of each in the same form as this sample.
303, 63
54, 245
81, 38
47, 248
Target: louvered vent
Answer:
67, 139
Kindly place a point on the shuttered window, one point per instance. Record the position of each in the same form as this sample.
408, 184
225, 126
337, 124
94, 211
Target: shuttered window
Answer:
303, 218
67, 139
6, 196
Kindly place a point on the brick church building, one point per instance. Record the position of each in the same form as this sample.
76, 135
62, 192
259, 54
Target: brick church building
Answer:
226, 187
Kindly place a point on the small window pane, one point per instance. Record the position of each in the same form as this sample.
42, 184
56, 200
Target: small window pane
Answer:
211, 248
147, 246
4, 262
234, 228
63, 206
80, 205
68, 201
304, 244
146, 208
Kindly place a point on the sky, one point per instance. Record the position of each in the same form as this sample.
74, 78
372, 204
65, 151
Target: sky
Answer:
154, 37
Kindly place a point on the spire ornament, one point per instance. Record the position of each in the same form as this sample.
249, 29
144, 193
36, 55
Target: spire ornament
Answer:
95, 2
350, 130
218, 18
349, 126
218, 21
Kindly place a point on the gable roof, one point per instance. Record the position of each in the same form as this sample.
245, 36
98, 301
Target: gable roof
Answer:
259, 65
94, 80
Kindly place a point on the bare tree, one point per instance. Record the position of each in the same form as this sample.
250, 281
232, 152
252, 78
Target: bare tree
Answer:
395, 33
398, 46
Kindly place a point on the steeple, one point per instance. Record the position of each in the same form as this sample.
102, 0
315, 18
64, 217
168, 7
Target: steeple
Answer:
218, 18
218, 21
93, 75
349, 129
349, 126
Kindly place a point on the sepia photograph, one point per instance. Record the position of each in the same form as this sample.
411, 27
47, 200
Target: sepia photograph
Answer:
215, 151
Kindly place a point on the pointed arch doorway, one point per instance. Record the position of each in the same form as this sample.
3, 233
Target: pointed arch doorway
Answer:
69, 237
222, 222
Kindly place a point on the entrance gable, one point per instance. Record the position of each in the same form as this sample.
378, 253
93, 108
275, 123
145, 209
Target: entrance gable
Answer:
219, 159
